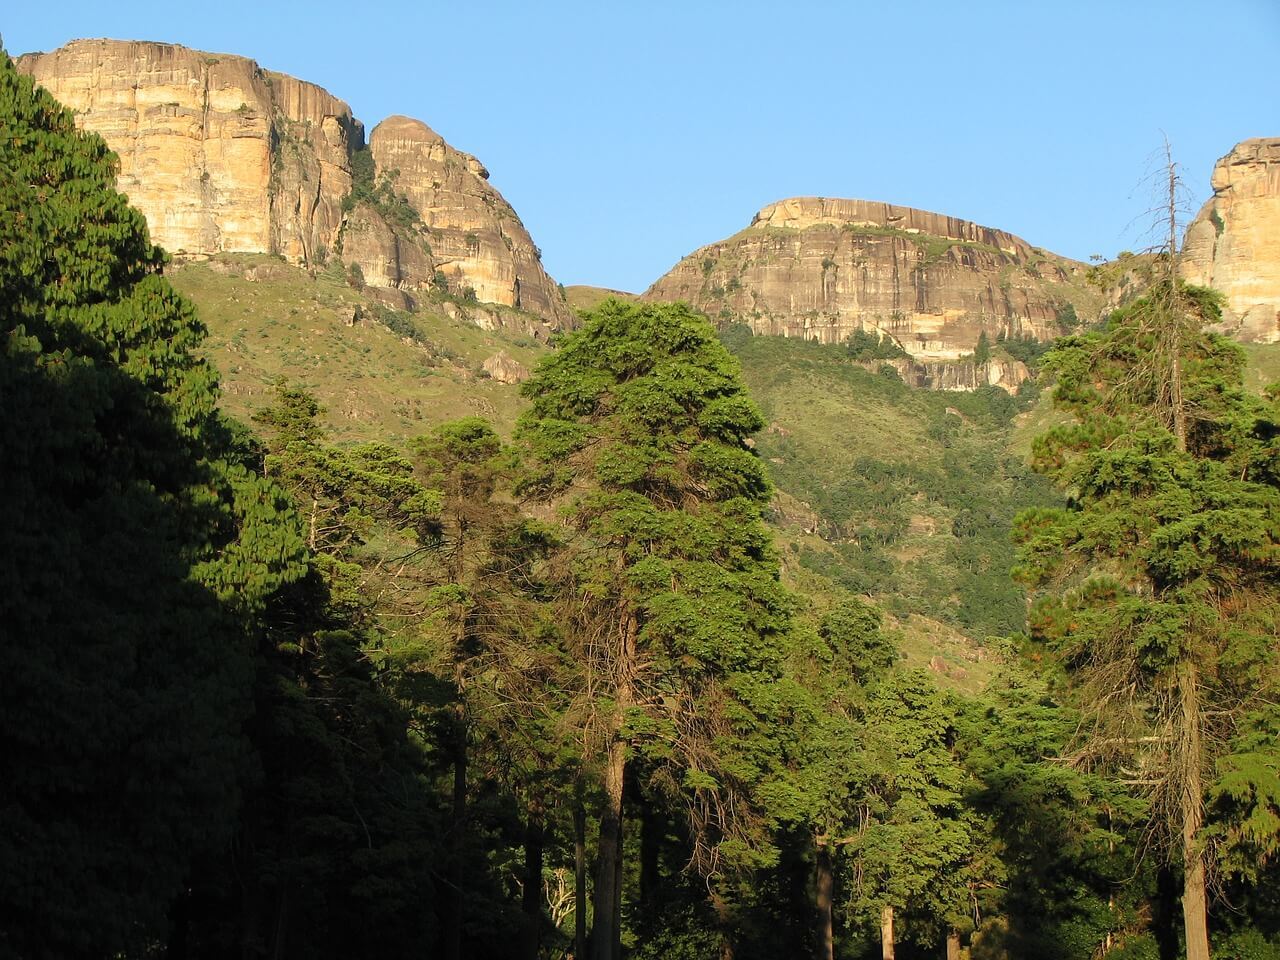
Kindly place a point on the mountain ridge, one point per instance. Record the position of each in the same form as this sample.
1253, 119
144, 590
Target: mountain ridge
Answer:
224, 156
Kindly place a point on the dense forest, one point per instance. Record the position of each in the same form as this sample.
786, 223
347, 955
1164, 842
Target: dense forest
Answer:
263, 694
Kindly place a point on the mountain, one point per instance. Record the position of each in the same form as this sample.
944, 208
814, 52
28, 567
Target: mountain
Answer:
1234, 242
222, 156
823, 269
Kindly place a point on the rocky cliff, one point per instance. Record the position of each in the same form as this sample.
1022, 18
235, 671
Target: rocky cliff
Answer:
822, 268
221, 155
1234, 242
461, 236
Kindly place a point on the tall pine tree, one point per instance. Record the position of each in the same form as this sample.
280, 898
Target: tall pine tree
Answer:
637, 431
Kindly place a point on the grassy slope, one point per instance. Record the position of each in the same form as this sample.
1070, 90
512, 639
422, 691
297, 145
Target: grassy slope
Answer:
876, 480
832, 425
373, 381
1264, 365
585, 298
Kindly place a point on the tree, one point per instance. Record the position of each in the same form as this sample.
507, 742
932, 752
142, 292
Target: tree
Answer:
1166, 564
637, 430
492, 643
1060, 881
982, 352
912, 839
138, 551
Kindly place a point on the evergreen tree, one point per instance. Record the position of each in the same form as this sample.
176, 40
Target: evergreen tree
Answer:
1166, 565
913, 838
137, 551
637, 429
982, 351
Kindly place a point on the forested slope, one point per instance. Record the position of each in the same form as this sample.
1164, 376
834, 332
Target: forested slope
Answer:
352, 676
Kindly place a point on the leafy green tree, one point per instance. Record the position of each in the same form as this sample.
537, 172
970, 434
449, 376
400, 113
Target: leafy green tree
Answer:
913, 838
636, 430
833, 667
1165, 568
1063, 839
138, 551
487, 635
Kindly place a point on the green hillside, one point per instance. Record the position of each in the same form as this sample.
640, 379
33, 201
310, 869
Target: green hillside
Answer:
389, 374
900, 495
874, 479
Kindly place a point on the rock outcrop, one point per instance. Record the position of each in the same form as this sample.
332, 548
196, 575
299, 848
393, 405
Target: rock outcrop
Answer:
222, 156
505, 369
822, 268
219, 154
462, 236
963, 376
1234, 242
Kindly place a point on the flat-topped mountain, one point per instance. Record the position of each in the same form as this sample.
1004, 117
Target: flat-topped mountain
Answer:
223, 156
1234, 242
823, 268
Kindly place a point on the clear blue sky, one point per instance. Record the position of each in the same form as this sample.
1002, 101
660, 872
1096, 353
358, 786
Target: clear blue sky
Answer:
627, 135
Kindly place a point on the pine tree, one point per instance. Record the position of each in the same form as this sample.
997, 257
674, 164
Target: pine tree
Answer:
637, 431
137, 552
1166, 567
913, 837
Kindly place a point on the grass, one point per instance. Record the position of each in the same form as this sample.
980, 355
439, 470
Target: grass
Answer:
902, 495
373, 382
583, 297
1264, 365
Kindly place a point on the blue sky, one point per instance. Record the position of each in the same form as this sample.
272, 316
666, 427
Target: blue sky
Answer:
627, 135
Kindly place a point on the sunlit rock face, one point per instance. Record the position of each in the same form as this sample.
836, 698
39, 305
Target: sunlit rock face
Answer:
474, 242
222, 156
219, 154
1234, 242
823, 268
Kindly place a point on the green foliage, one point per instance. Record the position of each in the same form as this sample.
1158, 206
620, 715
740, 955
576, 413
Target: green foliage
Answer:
637, 426
1064, 836
138, 551
982, 351
378, 191
864, 345
914, 503
1024, 347
1163, 571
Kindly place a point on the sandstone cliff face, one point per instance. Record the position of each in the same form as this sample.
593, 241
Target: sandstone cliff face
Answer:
1234, 242
223, 156
218, 154
468, 239
1000, 372
822, 268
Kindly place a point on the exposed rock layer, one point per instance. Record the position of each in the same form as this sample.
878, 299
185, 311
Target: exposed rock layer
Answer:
823, 268
1234, 242
223, 156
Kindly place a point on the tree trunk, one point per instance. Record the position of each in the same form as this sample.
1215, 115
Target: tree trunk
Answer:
724, 917
1195, 909
953, 945
825, 889
579, 878
886, 933
531, 902
605, 927
617, 883
282, 925
451, 945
